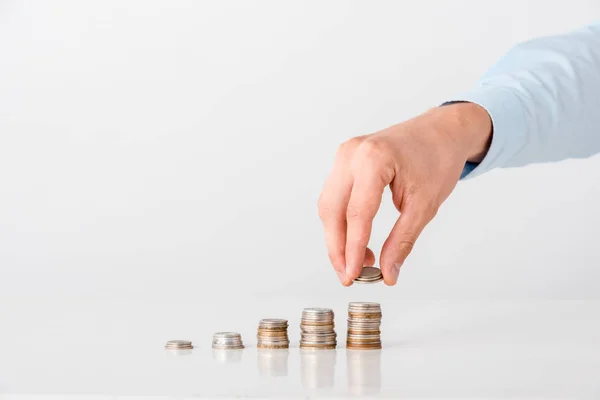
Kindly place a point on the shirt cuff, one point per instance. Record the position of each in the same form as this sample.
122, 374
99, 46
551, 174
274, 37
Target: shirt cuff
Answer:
508, 126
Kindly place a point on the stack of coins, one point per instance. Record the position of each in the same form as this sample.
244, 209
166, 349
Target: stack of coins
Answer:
369, 275
364, 321
272, 334
227, 341
179, 345
317, 329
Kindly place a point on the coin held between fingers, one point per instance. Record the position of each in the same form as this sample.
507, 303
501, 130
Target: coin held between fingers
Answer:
369, 275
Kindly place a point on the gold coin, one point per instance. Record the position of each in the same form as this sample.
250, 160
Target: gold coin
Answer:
316, 347
363, 346
273, 346
353, 315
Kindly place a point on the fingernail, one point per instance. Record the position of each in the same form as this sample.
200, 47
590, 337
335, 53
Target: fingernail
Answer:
341, 276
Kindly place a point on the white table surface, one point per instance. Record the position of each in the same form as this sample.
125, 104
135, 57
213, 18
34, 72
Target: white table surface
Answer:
488, 349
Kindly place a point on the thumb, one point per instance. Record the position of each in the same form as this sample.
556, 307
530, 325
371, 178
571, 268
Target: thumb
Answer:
401, 241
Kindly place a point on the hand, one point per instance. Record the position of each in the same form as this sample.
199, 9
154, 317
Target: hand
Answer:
421, 160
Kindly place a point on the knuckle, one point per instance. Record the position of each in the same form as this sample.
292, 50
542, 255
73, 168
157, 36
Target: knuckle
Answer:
350, 145
372, 150
407, 239
374, 157
406, 247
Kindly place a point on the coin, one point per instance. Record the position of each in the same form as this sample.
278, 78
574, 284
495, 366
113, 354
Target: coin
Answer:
328, 345
354, 346
369, 275
179, 345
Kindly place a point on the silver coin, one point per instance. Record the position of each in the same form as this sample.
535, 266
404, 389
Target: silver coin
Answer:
365, 337
317, 314
363, 305
370, 279
179, 345
273, 322
226, 344
316, 329
317, 320
317, 310
227, 335
238, 347
369, 275
367, 281
314, 342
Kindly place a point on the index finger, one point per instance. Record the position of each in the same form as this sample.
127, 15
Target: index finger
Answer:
332, 207
363, 205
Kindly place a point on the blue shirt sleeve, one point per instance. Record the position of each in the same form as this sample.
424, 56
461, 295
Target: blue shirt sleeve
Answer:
543, 98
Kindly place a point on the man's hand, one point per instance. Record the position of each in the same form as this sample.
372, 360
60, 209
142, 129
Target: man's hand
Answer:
421, 160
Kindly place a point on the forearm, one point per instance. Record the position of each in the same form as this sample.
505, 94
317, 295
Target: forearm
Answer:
543, 98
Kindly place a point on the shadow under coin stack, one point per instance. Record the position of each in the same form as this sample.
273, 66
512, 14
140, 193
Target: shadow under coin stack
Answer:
227, 341
317, 329
272, 334
364, 322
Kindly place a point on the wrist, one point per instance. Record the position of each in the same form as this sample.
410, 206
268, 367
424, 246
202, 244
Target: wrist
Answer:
470, 125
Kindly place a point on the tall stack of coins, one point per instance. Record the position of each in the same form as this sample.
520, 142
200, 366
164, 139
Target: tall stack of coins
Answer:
272, 334
364, 321
227, 341
317, 329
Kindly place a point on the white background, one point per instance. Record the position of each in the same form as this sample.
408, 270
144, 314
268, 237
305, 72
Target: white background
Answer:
160, 162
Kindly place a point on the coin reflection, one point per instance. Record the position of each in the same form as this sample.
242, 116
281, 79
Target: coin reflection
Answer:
178, 352
364, 372
273, 362
227, 356
317, 368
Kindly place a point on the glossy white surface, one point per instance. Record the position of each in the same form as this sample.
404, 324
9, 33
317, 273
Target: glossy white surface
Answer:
160, 163
444, 349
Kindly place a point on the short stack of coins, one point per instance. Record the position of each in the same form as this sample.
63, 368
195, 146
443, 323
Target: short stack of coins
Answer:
317, 329
273, 334
227, 341
364, 322
179, 345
